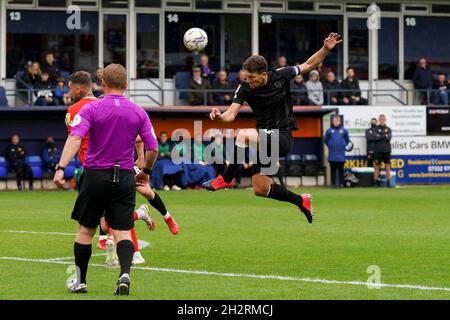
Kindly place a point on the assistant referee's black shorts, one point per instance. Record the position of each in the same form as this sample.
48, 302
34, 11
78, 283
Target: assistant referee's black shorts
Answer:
98, 195
285, 143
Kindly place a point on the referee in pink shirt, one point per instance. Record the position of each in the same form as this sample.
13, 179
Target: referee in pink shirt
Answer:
108, 184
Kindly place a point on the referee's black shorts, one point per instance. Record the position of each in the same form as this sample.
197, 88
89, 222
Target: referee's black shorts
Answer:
285, 143
98, 195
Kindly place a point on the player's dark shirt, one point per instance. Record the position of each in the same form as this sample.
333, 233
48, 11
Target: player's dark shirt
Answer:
271, 103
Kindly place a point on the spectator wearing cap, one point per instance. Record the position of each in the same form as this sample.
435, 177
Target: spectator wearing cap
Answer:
61, 92
198, 85
50, 154
222, 98
315, 89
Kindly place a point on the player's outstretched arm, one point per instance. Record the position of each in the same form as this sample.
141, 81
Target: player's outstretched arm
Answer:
227, 116
328, 44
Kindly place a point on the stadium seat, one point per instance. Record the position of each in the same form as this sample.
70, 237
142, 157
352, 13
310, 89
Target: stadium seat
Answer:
35, 163
232, 76
181, 82
65, 75
294, 165
3, 99
4, 171
312, 166
69, 172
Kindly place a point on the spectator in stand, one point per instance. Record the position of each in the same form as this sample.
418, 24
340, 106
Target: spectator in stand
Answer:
51, 67
423, 80
61, 93
441, 87
351, 93
222, 98
281, 62
315, 89
32, 76
331, 89
299, 92
242, 77
44, 91
97, 88
164, 146
206, 71
15, 154
171, 181
336, 138
50, 155
197, 98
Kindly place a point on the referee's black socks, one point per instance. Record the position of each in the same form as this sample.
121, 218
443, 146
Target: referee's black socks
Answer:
279, 192
82, 254
125, 251
158, 204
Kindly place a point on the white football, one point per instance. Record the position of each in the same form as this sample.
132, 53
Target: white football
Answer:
195, 39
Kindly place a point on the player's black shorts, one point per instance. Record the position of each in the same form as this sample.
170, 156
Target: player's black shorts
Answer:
285, 141
383, 157
99, 196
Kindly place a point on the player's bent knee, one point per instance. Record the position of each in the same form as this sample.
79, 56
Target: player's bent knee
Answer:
260, 191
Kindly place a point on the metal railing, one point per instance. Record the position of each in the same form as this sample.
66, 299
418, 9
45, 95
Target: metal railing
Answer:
28, 96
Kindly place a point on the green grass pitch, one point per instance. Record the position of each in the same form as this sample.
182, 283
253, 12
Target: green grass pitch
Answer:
242, 244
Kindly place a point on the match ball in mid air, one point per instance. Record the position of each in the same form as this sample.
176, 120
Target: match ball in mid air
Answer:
195, 39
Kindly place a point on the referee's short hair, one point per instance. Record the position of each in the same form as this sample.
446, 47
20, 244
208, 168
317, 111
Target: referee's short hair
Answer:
82, 78
256, 64
115, 76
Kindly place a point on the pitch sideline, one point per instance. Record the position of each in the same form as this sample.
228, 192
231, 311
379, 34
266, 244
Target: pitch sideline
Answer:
240, 275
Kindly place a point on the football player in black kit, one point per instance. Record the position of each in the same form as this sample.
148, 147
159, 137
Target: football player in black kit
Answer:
268, 95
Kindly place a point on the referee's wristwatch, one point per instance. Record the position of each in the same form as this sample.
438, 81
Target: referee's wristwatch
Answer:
58, 167
147, 171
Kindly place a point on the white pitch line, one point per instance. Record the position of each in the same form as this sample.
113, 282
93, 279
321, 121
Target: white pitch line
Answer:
251, 276
39, 232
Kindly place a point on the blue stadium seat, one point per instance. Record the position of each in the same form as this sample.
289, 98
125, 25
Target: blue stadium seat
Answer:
3, 100
181, 82
33, 161
37, 172
294, 157
310, 157
69, 171
3, 168
65, 75
75, 162
232, 76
